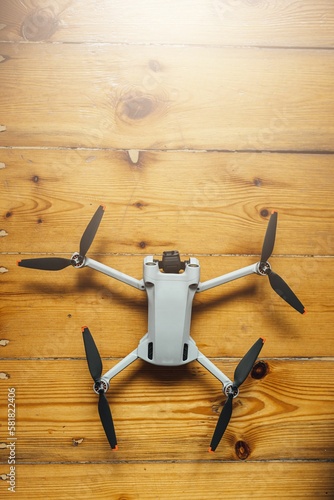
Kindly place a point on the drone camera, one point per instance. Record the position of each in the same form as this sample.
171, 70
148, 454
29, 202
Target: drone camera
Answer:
171, 262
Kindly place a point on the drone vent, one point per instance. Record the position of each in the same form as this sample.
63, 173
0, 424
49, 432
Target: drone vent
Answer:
185, 352
150, 350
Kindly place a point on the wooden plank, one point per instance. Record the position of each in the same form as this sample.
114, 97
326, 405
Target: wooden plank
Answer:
50, 308
97, 88
169, 413
302, 23
201, 203
154, 481
230, 99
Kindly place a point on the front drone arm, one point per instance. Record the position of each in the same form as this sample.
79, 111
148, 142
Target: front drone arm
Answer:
113, 273
225, 278
79, 259
262, 268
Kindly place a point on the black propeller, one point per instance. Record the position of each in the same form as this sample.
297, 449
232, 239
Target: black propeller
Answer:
276, 282
58, 263
240, 374
95, 368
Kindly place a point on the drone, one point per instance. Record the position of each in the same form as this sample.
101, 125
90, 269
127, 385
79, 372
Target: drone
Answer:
170, 285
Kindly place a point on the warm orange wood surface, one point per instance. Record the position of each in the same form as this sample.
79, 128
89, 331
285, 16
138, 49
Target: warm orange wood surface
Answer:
178, 191
127, 481
191, 121
170, 414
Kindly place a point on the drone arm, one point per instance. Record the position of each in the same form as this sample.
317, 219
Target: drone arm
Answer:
225, 278
204, 361
113, 273
130, 358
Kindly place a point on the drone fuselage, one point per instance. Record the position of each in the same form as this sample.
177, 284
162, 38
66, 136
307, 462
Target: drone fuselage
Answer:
170, 297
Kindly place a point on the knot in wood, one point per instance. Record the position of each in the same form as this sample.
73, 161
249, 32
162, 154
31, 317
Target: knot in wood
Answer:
264, 212
259, 370
136, 105
39, 25
242, 450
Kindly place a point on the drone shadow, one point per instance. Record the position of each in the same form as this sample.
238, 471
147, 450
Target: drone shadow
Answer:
164, 376
225, 296
255, 290
87, 281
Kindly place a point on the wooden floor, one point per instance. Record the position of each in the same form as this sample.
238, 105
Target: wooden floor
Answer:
191, 121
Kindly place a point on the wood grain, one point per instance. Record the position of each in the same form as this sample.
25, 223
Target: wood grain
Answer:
302, 23
170, 413
217, 203
193, 98
150, 481
190, 121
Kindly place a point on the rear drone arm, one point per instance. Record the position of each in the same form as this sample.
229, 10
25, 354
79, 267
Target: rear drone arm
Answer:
79, 259
212, 368
120, 366
113, 273
225, 278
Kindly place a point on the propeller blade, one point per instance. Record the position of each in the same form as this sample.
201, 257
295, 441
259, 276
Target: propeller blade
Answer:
95, 367
90, 231
45, 263
92, 354
222, 423
269, 239
284, 291
106, 420
240, 374
246, 364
